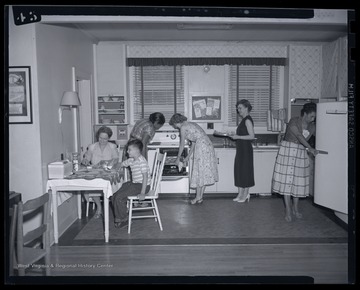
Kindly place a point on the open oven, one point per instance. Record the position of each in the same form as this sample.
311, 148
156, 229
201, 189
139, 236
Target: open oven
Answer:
173, 179
170, 168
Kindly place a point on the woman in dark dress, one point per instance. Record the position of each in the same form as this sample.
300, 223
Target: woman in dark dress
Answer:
244, 161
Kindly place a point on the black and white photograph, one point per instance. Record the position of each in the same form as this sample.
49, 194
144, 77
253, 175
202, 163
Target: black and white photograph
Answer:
179, 145
20, 95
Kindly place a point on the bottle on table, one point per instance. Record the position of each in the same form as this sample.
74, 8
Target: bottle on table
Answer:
75, 161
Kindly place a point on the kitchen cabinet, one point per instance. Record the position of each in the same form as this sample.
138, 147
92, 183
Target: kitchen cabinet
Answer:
226, 158
111, 109
264, 161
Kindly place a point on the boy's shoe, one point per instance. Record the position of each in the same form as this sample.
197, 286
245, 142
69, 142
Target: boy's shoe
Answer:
121, 225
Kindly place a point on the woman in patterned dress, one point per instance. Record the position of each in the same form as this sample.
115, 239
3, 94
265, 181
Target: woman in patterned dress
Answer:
204, 169
291, 176
244, 159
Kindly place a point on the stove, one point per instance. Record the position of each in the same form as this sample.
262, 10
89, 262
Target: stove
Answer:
162, 139
173, 180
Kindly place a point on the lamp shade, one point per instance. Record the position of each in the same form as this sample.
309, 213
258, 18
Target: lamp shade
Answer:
70, 99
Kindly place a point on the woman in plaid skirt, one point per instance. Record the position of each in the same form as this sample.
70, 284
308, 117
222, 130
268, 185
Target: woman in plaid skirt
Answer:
291, 176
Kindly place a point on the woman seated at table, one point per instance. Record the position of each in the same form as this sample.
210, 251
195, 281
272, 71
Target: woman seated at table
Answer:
101, 152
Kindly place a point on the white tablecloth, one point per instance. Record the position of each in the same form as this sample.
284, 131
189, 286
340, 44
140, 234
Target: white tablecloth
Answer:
77, 185
98, 183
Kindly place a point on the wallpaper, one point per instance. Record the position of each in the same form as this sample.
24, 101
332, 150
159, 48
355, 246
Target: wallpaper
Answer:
305, 71
188, 50
330, 73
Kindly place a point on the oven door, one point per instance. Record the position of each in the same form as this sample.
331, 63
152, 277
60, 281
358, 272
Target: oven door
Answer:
172, 180
170, 168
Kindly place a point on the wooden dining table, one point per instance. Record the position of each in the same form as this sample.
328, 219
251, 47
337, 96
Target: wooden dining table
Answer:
97, 178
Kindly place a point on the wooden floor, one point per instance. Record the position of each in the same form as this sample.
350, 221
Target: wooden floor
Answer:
325, 263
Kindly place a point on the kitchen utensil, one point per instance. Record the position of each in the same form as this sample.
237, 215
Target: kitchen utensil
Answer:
319, 151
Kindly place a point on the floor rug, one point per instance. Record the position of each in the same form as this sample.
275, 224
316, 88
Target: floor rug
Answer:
220, 221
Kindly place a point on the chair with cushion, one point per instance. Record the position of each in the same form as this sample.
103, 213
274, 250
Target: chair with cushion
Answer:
26, 253
150, 199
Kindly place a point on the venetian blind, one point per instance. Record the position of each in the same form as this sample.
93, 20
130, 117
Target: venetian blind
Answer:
158, 89
260, 85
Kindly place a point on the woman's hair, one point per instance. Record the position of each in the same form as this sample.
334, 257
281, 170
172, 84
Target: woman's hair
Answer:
245, 103
157, 118
104, 129
308, 108
176, 119
137, 143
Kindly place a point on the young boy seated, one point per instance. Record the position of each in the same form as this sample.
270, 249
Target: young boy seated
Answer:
140, 183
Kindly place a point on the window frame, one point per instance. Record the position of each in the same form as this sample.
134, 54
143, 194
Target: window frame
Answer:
281, 102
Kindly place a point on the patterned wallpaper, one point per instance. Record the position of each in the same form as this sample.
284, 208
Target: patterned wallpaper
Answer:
343, 66
335, 77
305, 71
330, 61
192, 50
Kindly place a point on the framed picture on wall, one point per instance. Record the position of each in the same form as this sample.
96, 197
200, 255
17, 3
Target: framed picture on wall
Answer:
20, 106
206, 108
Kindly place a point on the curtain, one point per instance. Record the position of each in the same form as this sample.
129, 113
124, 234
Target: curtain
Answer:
278, 61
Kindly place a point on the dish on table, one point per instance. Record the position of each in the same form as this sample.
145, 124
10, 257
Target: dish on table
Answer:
221, 134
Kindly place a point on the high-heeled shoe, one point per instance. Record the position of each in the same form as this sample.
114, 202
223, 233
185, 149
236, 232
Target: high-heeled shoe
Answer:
236, 198
297, 214
98, 215
196, 201
246, 198
288, 218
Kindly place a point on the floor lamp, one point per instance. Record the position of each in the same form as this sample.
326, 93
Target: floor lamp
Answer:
71, 101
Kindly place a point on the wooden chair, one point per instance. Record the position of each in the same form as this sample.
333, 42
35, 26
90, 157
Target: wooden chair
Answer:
25, 254
151, 196
12, 235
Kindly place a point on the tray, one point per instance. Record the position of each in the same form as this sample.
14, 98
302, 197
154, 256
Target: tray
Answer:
221, 134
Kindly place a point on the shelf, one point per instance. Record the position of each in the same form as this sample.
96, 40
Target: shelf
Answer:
118, 114
112, 124
111, 110
121, 101
111, 107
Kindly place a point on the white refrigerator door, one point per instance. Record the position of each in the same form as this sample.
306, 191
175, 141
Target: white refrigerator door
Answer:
331, 171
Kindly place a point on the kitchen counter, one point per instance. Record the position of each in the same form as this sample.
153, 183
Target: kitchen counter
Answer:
255, 148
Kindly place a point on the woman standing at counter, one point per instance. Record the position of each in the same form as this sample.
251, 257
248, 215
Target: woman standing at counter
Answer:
244, 160
204, 169
291, 176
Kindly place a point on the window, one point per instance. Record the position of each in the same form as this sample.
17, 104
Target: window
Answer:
260, 85
158, 89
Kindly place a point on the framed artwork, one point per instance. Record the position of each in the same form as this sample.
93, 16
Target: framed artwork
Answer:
20, 106
206, 108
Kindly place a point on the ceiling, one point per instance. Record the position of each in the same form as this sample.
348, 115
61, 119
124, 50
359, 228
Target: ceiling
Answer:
142, 31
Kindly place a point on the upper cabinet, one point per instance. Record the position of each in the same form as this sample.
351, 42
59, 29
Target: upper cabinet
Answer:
110, 68
305, 71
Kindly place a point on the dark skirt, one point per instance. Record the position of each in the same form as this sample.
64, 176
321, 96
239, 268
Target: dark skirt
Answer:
244, 164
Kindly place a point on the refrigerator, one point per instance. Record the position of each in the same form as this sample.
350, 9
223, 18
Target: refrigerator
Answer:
331, 170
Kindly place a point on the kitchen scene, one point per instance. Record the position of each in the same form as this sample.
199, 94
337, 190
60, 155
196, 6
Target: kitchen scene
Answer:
180, 145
